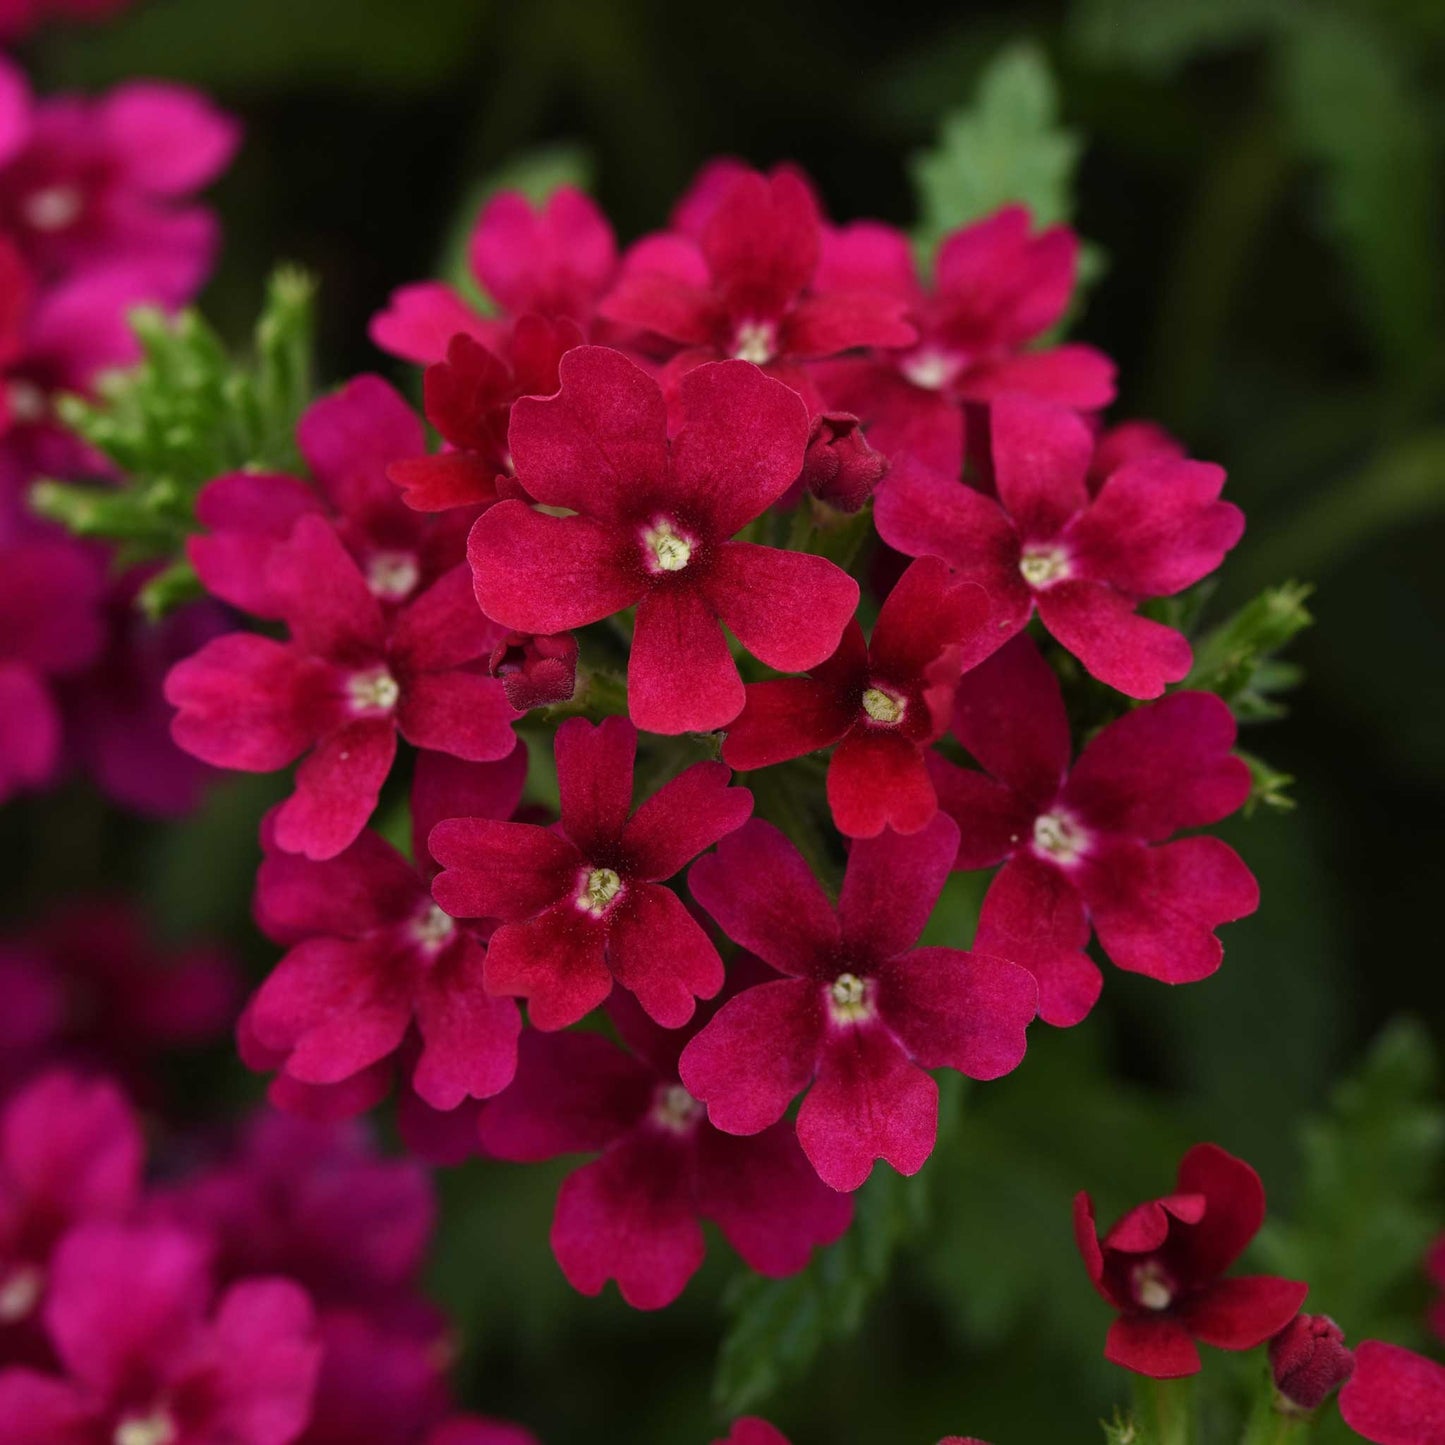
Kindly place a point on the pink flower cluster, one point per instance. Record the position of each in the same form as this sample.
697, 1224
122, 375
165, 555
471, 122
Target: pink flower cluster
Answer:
647, 458
1162, 1268
96, 217
266, 1298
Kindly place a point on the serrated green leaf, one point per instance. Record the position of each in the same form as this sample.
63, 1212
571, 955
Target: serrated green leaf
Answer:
1235, 660
1007, 146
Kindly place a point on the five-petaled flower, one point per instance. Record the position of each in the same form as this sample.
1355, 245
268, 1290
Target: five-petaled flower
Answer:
1083, 562
583, 904
1162, 1266
884, 702
652, 528
862, 1013
372, 957
1086, 843
635, 1214
352, 675
748, 287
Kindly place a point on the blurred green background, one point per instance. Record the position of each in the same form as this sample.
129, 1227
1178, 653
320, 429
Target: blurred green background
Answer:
1263, 180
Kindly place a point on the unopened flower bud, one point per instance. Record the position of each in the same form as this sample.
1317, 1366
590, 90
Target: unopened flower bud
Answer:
1309, 1361
536, 671
839, 467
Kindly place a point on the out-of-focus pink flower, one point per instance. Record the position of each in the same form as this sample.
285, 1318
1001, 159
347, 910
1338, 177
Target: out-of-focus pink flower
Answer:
1395, 1397
19, 17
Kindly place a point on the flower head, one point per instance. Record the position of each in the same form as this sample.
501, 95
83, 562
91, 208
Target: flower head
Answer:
652, 525
1162, 1267
861, 1014
883, 703
582, 904
1082, 562
1084, 844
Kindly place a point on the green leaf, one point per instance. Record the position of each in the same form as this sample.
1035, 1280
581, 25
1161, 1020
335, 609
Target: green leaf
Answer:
779, 1325
1236, 659
1369, 1205
186, 413
1007, 146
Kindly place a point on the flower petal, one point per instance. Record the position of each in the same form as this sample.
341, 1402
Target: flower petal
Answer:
337, 787
680, 675
556, 961
662, 954
594, 779
1134, 654
1395, 1397
499, 869
890, 887
681, 819
1240, 1313
869, 1102
465, 714
878, 780
1155, 1345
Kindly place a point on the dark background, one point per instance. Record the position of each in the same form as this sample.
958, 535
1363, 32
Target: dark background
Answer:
1264, 180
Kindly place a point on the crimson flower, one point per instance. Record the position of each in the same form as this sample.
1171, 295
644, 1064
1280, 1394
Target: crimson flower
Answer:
347, 441
468, 399
70, 1152
635, 1214
1084, 563
372, 957
1161, 1267
652, 528
1085, 844
883, 702
581, 904
997, 290
748, 287
1395, 1397
351, 677
148, 1356
555, 260
862, 1014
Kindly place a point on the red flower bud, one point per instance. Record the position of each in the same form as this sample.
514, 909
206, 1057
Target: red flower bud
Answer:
839, 467
536, 671
1309, 1360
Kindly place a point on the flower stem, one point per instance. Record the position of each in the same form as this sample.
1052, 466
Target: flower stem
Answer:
1163, 1410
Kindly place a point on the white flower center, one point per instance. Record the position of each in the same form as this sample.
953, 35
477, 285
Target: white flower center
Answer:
675, 1110
156, 1428
848, 999
391, 576
884, 707
755, 341
932, 370
599, 887
1043, 566
671, 550
1152, 1287
434, 927
1059, 837
53, 208
20, 1293
25, 402
375, 691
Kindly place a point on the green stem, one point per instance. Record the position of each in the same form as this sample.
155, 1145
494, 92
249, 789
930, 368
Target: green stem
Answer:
1164, 1410
1270, 1425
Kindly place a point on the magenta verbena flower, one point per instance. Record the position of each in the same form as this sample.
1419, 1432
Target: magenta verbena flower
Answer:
105, 183
652, 527
148, 1354
583, 904
883, 702
749, 286
555, 260
862, 1014
1082, 562
635, 1214
997, 290
71, 1151
347, 440
1162, 1267
352, 675
1084, 844
373, 960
